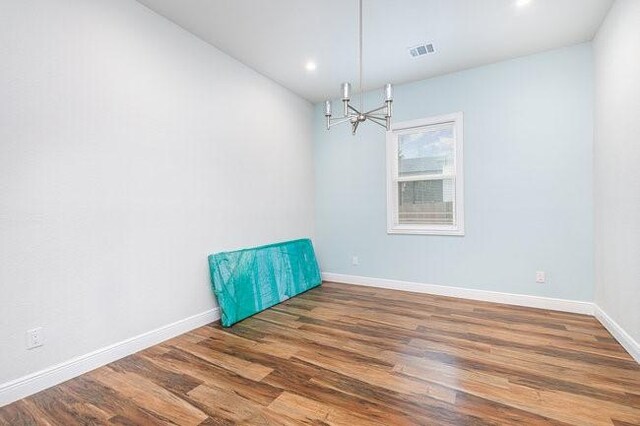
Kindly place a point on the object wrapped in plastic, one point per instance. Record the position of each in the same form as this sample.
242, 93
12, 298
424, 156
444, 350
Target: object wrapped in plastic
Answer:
248, 281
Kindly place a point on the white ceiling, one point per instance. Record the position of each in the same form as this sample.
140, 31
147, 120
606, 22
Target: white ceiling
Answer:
278, 37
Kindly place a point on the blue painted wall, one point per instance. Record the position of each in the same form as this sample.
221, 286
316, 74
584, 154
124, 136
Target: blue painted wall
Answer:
528, 147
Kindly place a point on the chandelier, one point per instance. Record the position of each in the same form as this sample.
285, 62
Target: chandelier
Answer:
381, 115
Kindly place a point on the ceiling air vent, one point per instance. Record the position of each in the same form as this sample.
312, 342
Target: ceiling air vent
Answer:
421, 50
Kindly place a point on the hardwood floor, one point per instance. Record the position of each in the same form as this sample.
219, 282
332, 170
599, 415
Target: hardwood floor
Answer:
352, 355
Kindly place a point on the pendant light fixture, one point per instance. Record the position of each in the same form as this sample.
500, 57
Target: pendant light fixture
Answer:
381, 115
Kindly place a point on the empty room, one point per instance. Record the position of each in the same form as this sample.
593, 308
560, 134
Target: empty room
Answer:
321, 212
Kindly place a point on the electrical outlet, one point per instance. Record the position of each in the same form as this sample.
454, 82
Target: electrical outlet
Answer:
355, 261
541, 277
35, 338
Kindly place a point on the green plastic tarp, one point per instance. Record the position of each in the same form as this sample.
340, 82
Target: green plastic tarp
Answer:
248, 281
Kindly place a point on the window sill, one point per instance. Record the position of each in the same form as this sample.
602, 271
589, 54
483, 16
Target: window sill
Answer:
425, 231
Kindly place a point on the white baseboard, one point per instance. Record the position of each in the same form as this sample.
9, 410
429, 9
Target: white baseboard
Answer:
51, 376
618, 332
563, 305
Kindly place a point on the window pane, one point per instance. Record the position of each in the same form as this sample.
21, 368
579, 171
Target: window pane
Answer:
426, 202
429, 152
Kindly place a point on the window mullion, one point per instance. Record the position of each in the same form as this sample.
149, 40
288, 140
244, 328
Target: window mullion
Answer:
424, 177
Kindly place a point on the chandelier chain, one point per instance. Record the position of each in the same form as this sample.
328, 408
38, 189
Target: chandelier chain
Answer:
360, 52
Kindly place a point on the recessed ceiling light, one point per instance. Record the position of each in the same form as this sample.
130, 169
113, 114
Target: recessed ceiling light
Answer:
310, 66
522, 3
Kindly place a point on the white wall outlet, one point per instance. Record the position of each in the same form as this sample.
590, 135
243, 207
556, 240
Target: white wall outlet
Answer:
541, 277
355, 261
35, 338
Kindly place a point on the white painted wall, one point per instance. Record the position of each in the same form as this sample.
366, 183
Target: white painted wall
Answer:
129, 151
617, 166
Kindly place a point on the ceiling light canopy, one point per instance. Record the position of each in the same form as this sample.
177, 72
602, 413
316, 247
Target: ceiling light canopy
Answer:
310, 66
380, 115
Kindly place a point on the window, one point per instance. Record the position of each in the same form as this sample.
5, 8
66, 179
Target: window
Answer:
424, 177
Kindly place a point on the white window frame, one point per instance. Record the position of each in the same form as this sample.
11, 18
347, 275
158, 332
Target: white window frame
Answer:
393, 225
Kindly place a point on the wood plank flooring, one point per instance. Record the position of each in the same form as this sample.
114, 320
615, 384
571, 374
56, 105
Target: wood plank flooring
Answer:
349, 355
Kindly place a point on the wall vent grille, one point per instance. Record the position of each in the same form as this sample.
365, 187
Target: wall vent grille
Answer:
422, 50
